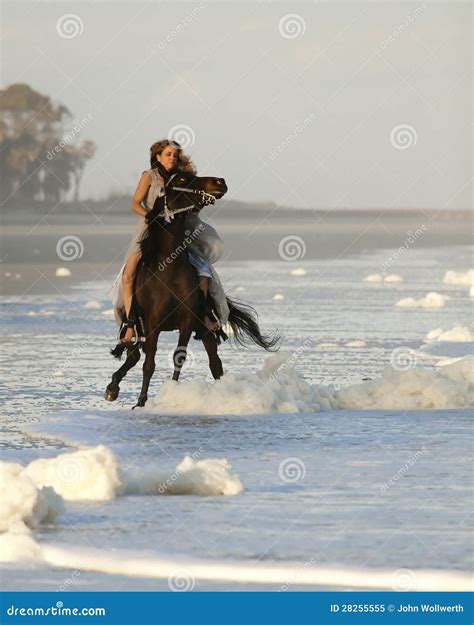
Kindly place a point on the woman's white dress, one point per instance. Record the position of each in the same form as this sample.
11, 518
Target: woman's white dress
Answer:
205, 249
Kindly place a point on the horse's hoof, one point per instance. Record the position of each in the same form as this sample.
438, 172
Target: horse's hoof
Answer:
140, 404
111, 394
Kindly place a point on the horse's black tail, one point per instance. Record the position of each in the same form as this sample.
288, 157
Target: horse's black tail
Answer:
243, 321
118, 350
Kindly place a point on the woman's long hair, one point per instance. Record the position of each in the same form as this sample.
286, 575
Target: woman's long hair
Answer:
184, 161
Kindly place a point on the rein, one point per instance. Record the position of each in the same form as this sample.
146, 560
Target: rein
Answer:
168, 214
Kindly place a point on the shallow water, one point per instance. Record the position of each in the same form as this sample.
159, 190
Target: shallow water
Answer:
341, 511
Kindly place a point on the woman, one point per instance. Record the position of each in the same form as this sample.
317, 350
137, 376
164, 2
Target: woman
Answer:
205, 249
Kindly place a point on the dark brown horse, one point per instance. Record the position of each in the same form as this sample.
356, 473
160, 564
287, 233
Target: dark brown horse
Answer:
167, 293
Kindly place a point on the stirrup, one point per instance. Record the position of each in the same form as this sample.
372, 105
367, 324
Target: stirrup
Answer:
129, 323
202, 331
212, 315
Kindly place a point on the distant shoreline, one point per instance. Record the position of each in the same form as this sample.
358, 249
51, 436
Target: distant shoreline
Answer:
119, 208
29, 239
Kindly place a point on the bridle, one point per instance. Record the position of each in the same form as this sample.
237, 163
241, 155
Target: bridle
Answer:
200, 199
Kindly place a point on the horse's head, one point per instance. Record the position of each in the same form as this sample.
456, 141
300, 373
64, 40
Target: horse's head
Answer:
187, 190
184, 193
183, 188
207, 184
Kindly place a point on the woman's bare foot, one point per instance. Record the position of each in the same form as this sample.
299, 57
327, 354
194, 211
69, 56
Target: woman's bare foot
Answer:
128, 336
210, 324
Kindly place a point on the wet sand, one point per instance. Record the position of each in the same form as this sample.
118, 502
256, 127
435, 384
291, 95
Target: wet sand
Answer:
29, 240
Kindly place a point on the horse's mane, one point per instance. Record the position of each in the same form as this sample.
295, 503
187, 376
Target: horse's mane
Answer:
149, 241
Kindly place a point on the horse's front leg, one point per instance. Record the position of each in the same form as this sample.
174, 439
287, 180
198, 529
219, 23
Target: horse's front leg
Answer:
148, 365
112, 390
181, 351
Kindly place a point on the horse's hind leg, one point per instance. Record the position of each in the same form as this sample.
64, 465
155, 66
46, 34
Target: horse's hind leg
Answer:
112, 390
181, 351
148, 366
215, 363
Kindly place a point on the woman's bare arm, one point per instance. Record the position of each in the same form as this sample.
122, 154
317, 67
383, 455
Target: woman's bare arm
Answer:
140, 194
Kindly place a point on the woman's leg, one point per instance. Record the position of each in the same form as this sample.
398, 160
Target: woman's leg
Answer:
127, 288
204, 286
204, 272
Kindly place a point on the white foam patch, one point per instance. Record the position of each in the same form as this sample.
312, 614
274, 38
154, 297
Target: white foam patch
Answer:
207, 477
465, 278
278, 297
471, 292
356, 343
431, 300
89, 474
374, 277
183, 572
23, 501
457, 334
280, 388
41, 313
17, 545
275, 388
393, 278
30, 494
299, 271
451, 386
95, 475
62, 272
93, 305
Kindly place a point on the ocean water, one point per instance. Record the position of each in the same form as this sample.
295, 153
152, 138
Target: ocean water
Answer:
349, 490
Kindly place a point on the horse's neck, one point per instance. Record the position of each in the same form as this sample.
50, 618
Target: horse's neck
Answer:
169, 239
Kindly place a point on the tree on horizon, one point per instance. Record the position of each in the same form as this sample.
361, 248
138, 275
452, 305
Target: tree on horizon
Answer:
38, 161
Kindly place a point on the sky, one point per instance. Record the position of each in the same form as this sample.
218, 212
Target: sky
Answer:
306, 104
